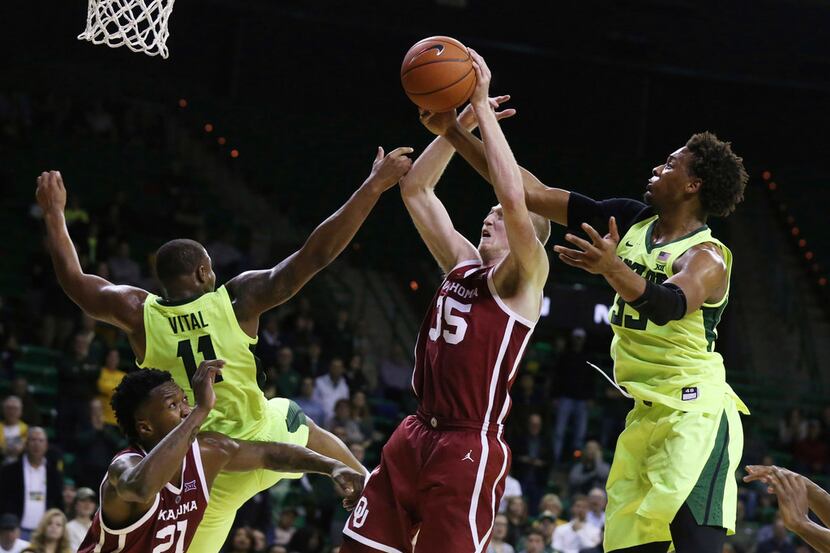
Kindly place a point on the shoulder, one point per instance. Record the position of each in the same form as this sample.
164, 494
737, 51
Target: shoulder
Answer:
706, 256
213, 445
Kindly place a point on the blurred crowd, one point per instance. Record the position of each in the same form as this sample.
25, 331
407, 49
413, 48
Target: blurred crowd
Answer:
60, 433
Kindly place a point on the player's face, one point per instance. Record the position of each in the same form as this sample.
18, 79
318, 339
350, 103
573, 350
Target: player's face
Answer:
671, 181
165, 409
493, 234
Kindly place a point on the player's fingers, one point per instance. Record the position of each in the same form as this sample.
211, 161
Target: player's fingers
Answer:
570, 261
504, 114
576, 254
402, 151
592, 233
379, 154
612, 229
586, 246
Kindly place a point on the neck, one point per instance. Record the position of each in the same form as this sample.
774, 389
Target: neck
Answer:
35, 461
677, 222
492, 257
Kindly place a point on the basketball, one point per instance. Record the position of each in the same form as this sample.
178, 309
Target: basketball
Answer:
437, 74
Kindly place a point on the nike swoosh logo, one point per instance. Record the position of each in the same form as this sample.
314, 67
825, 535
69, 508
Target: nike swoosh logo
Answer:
629, 244
439, 47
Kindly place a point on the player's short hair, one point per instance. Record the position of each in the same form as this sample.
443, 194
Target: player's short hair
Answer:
542, 227
134, 390
178, 257
721, 171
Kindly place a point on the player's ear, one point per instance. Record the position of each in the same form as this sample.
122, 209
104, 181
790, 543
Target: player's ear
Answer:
143, 428
694, 185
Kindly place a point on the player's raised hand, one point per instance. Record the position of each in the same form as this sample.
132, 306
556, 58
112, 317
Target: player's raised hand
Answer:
350, 483
468, 120
388, 169
202, 383
483, 76
599, 256
51, 194
791, 491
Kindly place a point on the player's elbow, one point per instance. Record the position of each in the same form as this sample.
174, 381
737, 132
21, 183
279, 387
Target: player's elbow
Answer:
135, 491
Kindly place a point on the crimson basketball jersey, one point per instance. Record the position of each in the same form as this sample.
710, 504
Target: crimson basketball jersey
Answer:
169, 525
468, 349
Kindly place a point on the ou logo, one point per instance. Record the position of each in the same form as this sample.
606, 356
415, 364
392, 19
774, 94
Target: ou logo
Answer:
361, 511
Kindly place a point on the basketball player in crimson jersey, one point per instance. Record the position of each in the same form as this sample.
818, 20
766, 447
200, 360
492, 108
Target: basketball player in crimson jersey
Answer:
156, 491
442, 471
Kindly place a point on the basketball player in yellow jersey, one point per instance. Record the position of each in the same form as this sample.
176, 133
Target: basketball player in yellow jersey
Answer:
672, 479
193, 322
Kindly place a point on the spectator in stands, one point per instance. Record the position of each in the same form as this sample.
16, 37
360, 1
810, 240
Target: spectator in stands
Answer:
497, 543
83, 509
287, 379
14, 430
546, 523
362, 416
31, 410
123, 269
10, 541
356, 375
745, 537
591, 471
306, 540
343, 419
241, 542
396, 373
302, 336
578, 534
331, 387
517, 520
285, 526
70, 491
313, 364
88, 329
270, 341
310, 406
95, 446
811, 453
31, 485
110, 377
552, 504
534, 542
359, 452
780, 542
512, 488
255, 513
792, 429
78, 378
258, 540
527, 399
597, 500
340, 338
531, 460
574, 385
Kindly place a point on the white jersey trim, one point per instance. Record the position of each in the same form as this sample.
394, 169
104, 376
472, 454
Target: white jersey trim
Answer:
197, 457
485, 448
366, 541
492, 286
466, 262
171, 487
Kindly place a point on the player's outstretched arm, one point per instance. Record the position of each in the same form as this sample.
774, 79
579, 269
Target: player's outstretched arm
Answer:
700, 275
255, 292
138, 481
526, 251
119, 305
797, 495
220, 452
431, 218
546, 201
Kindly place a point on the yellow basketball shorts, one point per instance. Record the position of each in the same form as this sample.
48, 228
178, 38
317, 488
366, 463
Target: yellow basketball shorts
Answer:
665, 458
286, 424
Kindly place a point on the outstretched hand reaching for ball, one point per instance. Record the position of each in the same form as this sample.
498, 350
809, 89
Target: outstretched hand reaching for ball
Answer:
389, 169
441, 123
483, 76
51, 193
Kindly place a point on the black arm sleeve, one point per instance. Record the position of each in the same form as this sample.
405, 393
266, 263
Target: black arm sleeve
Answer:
582, 209
661, 303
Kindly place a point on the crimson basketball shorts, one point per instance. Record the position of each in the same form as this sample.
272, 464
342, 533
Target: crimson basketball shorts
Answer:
438, 485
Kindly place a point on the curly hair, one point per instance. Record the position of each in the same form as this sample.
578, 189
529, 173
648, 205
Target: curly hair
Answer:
722, 172
133, 390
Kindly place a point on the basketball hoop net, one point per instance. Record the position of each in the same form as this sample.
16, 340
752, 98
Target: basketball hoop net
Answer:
140, 25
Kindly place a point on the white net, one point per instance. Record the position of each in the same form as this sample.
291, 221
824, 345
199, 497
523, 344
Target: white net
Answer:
140, 25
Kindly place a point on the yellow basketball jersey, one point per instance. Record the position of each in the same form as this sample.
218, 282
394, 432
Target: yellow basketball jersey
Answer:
675, 364
180, 335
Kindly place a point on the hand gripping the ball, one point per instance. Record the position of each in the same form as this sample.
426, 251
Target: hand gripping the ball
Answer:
483, 77
441, 123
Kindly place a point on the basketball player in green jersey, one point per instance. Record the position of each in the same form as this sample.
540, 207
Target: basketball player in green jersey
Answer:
672, 478
193, 321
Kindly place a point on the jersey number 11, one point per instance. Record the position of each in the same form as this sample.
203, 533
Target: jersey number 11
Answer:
189, 360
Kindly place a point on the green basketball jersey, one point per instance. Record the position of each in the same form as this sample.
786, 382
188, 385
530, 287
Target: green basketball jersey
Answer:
675, 364
180, 335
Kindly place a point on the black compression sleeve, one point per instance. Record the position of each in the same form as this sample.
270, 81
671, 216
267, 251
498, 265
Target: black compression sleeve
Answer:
661, 303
